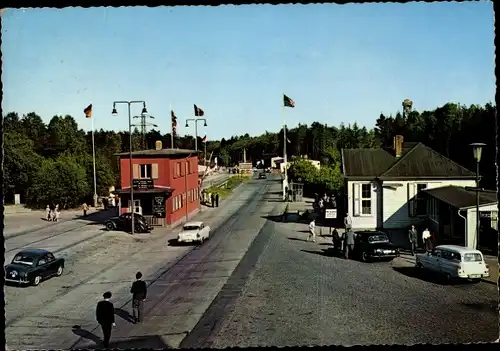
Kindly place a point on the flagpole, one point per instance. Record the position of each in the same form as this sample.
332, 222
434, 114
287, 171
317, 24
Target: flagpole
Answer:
205, 152
93, 157
172, 129
285, 181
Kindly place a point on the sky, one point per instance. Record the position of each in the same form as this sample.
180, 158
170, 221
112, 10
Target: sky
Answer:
339, 63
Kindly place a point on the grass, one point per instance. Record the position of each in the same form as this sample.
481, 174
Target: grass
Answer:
232, 183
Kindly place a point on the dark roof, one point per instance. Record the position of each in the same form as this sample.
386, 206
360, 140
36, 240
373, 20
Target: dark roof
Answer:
365, 162
34, 252
423, 162
416, 161
155, 190
459, 197
161, 152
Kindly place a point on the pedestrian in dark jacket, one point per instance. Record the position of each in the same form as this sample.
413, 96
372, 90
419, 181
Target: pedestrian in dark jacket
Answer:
349, 243
412, 237
212, 199
105, 315
216, 200
139, 291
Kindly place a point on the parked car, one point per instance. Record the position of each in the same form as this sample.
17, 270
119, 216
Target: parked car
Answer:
454, 262
374, 245
31, 266
194, 232
262, 175
124, 222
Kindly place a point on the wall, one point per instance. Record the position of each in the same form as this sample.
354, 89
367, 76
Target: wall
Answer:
362, 221
395, 204
471, 223
163, 170
177, 181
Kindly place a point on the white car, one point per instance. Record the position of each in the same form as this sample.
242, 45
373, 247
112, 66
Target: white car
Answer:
454, 262
194, 232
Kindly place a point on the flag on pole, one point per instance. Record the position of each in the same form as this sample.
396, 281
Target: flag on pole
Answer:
204, 140
174, 122
88, 111
198, 112
288, 102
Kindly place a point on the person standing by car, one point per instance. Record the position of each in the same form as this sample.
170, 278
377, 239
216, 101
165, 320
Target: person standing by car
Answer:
312, 231
426, 238
139, 291
105, 315
336, 239
412, 237
348, 243
47, 211
347, 222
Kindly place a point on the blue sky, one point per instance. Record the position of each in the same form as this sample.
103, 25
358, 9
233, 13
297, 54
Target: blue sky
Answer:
340, 63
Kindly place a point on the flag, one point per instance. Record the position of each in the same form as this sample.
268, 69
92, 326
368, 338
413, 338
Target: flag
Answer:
88, 111
198, 112
204, 140
288, 102
174, 119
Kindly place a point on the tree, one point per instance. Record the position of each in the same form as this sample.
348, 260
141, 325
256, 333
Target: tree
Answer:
302, 170
62, 180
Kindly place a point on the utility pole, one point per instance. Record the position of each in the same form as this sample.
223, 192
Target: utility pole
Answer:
143, 125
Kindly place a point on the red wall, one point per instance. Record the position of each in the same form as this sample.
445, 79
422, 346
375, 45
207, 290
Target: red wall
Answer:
163, 170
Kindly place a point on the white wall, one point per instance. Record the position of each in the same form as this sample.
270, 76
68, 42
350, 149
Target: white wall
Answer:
361, 221
471, 223
395, 201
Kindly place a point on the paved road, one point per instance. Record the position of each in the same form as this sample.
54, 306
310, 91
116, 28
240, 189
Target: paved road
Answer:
43, 317
298, 295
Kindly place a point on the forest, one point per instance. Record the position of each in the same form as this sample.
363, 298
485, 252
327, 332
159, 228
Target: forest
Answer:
52, 162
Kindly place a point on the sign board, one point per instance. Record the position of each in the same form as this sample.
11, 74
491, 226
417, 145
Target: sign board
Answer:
331, 213
142, 183
159, 206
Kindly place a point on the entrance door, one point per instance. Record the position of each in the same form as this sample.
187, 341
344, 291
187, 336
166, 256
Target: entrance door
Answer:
137, 206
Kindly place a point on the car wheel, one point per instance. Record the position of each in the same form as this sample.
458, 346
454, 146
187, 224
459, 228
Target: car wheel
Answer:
138, 229
419, 265
202, 240
59, 271
364, 257
37, 280
448, 277
110, 226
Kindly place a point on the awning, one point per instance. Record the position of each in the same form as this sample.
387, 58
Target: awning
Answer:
155, 190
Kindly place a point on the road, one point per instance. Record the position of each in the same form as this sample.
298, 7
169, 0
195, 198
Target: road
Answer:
298, 294
61, 314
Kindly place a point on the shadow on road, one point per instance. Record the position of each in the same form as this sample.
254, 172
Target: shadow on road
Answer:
275, 218
296, 239
77, 330
125, 315
323, 252
98, 216
174, 242
491, 306
141, 342
430, 277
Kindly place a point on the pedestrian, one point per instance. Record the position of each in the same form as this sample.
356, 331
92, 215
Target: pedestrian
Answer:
312, 231
216, 200
56, 213
47, 211
347, 222
426, 238
335, 239
139, 291
105, 315
412, 237
349, 243
85, 208
212, 199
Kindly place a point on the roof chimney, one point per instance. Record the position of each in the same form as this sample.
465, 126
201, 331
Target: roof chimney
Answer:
398, 145
158, 145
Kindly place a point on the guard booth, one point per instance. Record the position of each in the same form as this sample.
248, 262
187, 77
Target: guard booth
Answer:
295, 191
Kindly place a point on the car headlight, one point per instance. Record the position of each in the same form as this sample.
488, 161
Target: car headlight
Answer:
379, 250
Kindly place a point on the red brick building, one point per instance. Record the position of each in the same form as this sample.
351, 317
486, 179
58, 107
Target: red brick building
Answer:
165, 184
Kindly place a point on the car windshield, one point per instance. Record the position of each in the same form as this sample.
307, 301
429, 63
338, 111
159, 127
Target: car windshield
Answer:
473, 257
378, 238
23, 259
191, 227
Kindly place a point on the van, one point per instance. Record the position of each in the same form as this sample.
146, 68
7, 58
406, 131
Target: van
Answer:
454, 262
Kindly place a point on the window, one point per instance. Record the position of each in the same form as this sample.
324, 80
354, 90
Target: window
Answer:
366, 199
177, 169
420, 204
494, 220
145, 171
450, 255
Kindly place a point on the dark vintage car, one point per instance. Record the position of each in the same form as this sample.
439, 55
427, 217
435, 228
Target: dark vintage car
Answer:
262, 175
373, 245
124, 222
31, 266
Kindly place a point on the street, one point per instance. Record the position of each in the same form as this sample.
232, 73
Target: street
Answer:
256, 282
62, 312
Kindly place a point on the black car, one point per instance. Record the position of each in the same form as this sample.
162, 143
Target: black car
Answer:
262, 175
373, 245
124, 222
31, 266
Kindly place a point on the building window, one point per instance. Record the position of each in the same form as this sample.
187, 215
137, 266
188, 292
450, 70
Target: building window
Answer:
494, 220
420, 203
145, 171
366, 199
177, 169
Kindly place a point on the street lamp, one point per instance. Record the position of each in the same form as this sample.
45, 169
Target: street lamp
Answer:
477, 149
196, 120
115, 113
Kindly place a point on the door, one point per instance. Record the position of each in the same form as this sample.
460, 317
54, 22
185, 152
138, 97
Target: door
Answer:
137, 207
473, 264
433, 261
51, 266
449, 263
41, 267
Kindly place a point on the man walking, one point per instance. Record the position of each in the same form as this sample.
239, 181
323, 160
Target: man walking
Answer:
105, 315
139, 291
312, 231
216, 200
348, 243
412, 237
426, 238
347, 222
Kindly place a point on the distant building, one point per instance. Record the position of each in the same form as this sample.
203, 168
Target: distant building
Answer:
165, 182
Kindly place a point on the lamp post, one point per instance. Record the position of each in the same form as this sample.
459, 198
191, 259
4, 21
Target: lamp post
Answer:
115, 113
196, 120
477, 149
186, 160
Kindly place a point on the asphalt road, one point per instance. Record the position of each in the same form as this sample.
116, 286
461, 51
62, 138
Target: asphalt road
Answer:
60, 312
296, 294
